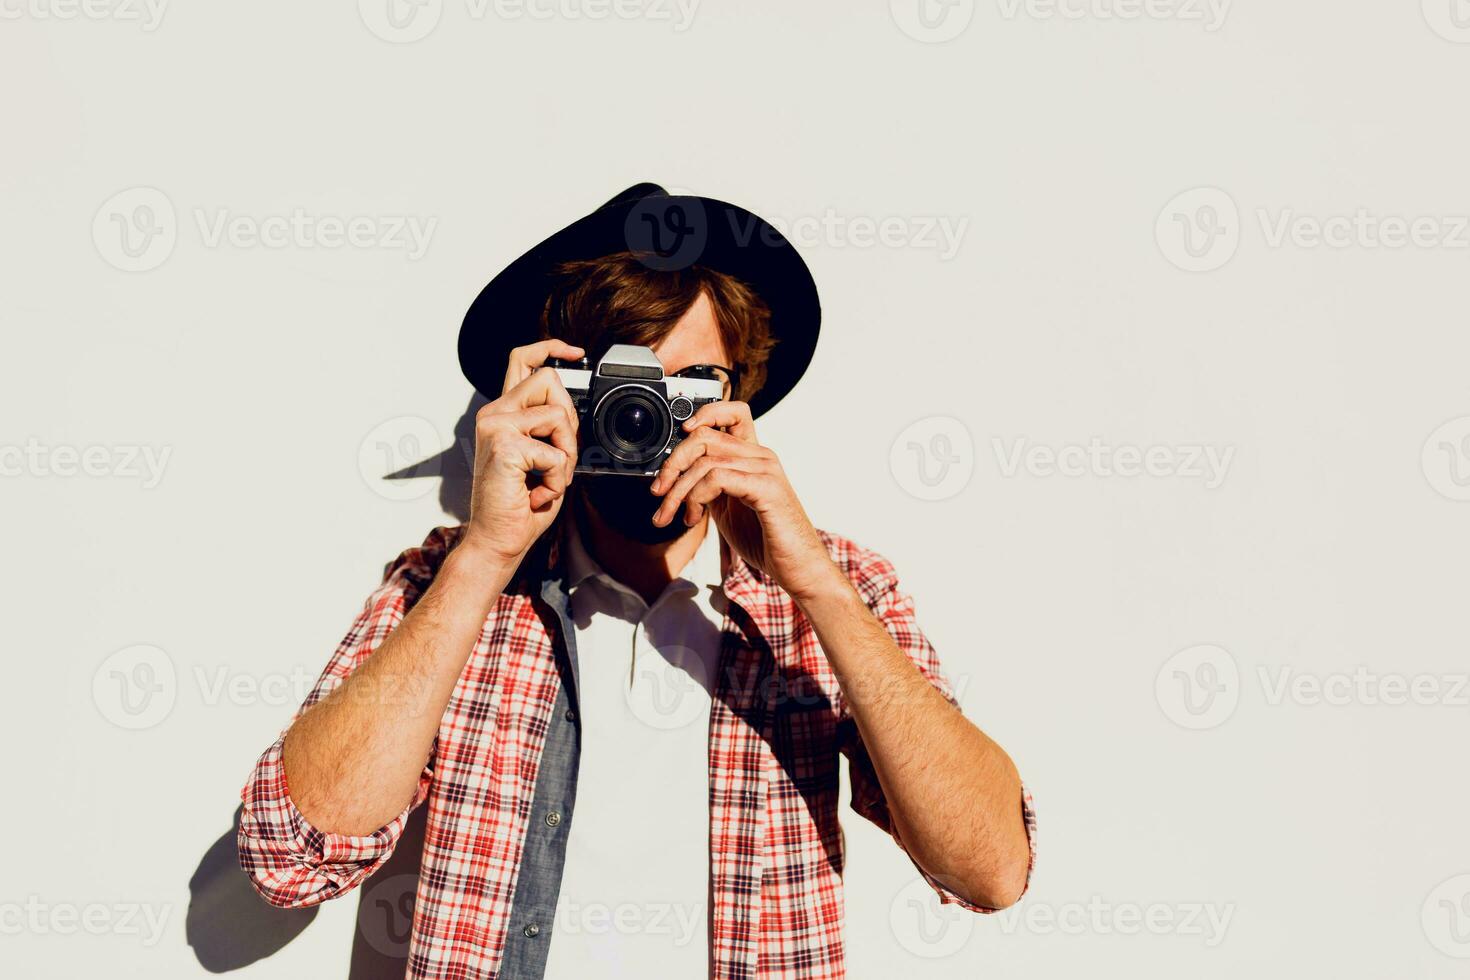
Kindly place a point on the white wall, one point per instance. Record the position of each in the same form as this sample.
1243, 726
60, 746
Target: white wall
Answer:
1325, 837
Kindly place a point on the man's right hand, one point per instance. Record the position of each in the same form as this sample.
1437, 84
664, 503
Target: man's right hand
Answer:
354, 759
525, 452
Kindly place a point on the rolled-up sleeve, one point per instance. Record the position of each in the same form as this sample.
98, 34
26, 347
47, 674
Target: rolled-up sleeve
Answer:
878, 584
291, 863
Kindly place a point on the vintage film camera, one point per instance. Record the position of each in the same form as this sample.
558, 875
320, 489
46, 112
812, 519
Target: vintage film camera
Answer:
629, 412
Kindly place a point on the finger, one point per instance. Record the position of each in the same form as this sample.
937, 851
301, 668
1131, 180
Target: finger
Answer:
526, 455
703, 442
542, 497
552, 480
547, 422
720, 482
739, 483
541, 387
525, 360
543, 421
695, 475
733, 417
549, 464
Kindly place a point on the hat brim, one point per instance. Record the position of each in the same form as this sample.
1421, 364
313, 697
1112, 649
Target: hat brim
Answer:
671, 232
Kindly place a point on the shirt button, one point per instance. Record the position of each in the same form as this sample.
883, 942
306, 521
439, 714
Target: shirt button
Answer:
532, 931
571, 715
553, 819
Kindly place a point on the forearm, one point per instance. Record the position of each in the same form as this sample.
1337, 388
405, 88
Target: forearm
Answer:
953, 794
353, 760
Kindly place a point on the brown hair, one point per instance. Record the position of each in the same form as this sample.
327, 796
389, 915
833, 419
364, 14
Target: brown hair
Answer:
620, 299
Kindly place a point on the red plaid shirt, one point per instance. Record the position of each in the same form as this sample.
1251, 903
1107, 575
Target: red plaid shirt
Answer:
777, 724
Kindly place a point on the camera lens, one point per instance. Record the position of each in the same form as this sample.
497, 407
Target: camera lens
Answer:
633, 425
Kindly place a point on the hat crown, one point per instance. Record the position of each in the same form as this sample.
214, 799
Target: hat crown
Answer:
635, 193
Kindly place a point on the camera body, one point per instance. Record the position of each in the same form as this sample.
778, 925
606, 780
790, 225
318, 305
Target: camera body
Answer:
629, 413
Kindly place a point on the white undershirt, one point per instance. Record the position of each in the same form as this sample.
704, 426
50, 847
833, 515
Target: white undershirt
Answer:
635, 889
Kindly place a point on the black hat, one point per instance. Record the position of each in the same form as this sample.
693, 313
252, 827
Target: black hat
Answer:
667, 232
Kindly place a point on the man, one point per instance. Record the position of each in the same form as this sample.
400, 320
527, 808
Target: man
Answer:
624, 699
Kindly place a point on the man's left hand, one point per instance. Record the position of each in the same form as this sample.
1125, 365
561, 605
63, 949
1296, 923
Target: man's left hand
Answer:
745, 489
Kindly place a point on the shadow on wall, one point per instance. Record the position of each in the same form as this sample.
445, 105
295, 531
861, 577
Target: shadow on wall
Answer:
453, 466
230, 927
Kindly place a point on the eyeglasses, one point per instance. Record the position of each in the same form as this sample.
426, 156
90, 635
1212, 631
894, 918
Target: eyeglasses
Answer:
729, 375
